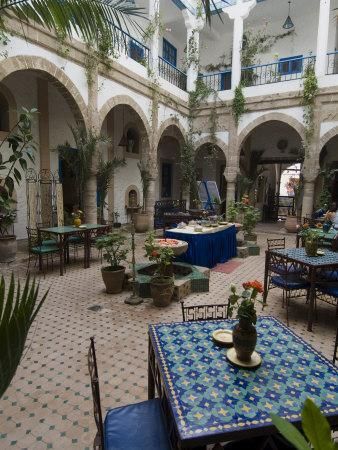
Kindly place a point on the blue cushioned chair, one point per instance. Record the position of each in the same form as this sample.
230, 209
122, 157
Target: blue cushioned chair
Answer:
134, 427
288, 277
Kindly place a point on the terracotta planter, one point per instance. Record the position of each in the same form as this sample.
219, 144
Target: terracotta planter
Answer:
311, 247
141, 222
291, 224
244, 339
8, 248
113, 279
161, 289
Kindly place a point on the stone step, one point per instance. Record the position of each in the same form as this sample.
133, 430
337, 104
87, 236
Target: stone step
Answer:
254, 250
182, 288
242, 252
203, 270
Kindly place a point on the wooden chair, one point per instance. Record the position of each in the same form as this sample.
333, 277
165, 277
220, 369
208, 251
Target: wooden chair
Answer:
276, 243
39, 249
204, 312
288, 277
139, 426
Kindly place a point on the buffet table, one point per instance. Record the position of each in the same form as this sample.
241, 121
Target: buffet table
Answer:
208, 247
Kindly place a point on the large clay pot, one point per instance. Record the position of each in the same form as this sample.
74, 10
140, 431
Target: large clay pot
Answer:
8, 248
141, 222
311, 247
291, 224
162, 290
113, 279
244, 338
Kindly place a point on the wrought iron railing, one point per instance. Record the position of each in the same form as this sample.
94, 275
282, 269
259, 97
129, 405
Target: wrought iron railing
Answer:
172, 74
124, 43
332, 63
282, 70
217, 81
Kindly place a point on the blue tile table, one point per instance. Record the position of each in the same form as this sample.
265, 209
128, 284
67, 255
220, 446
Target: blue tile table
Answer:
207, 249
208, 400
312, 265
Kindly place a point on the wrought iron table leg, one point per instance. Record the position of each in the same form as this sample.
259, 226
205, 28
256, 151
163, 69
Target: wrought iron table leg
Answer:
265, 294
61, 253
151, 370
311, 298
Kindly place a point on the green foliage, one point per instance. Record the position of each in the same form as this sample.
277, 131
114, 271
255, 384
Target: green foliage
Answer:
163, 256
145, 181
18, 310
251, 215
82, 18
231, 212
114, 250
20, 142
310, 90
238, 104
245, 303
315, 427
309, 234
80, 159
104, 175
327, 176
196, 97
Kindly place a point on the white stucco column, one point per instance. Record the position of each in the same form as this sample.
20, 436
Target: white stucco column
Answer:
193, 25
154, 17
238, 13
230, 174
322, 37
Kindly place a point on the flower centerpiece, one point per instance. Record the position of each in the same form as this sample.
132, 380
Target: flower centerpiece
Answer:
77, 217
310, 238
244, 333
161, 284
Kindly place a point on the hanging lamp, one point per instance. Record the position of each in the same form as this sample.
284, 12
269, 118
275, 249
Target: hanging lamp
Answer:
288, 24
123, 141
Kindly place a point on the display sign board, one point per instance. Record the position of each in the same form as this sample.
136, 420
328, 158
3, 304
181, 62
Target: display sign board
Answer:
208, 193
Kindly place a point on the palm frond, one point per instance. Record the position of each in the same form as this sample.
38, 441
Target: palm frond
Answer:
17, 313
84, 18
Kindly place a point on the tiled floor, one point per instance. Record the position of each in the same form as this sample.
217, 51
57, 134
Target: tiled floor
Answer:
49, 404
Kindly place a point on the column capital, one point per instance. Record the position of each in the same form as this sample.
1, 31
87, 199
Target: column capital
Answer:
310, 175
193, 22
230, 174
240, 10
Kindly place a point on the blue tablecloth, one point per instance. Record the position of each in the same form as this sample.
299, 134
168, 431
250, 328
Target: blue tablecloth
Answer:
207, 250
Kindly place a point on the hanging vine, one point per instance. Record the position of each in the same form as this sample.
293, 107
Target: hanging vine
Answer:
310, 90
238, 104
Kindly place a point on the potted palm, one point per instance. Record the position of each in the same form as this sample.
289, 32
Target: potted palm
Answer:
244, 333
141, 219
19, 143
162, 283
114, 252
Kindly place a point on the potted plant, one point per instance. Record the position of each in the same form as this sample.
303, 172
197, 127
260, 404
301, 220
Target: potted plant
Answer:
244, 333
141, 219
116, 216
310, 238
162, 283
250, 219
114, 252
19, 145
231, 212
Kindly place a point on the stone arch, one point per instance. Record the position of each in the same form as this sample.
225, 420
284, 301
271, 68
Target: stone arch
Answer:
172, 121
274, 116
216, 141
54, 74
123, 100
327, 137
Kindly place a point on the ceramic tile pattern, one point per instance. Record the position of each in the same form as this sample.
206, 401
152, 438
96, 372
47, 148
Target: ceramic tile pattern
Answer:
49, 403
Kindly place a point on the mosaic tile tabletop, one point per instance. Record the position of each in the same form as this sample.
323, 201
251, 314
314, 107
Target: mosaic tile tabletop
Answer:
209, 396
299, 254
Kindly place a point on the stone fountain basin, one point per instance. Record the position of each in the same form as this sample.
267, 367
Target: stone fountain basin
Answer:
177, 246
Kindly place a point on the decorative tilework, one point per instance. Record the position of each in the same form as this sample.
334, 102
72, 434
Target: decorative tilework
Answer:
300, 255
209, 396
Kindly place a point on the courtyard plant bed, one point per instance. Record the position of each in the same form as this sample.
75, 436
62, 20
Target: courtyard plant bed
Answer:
162, 282
114, 252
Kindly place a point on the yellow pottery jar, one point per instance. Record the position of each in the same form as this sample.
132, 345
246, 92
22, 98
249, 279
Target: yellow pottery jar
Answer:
77, 222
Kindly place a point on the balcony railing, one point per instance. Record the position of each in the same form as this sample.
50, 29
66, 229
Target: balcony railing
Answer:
172, 74
332, 63
218, 81
124, 43
282, 70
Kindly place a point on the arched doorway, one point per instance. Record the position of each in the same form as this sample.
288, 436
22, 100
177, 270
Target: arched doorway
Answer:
129, 140
168, 159
326, 190
210, 165
268, 150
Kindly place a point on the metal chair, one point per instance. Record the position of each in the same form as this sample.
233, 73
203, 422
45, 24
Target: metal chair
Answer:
335, 352
204, 312
138, 426
39, 249
288, 277
276, 243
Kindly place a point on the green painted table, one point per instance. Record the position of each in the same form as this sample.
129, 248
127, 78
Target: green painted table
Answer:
63, 234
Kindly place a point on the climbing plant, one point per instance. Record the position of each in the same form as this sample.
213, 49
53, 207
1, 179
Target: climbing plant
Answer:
238, 104
310, 90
